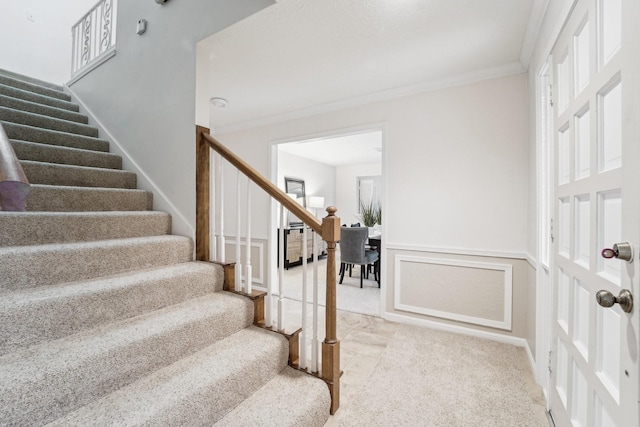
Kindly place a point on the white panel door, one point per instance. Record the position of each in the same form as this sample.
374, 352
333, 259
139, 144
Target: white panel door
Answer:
595, 350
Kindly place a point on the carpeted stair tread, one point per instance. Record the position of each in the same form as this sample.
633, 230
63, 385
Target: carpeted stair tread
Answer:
43, 382
44, 110
77, 176
107, 320
32, 87
37, 98
45, 122
293, 399
53, 137
35, 151
52, 198
39, 228
43, 265
195, 391
30, 79
32, 316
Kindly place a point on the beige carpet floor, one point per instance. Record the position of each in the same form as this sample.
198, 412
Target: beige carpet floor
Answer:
403, 375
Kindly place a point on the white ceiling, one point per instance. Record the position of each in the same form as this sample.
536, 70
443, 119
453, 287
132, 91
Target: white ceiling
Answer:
300, 57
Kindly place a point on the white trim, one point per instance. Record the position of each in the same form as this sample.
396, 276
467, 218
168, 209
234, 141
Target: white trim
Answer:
532, 361
136, 168
507, 269
544, 278
461, 251
536, 16
456, 329
104, 57
504, 70
533, 262
332, 133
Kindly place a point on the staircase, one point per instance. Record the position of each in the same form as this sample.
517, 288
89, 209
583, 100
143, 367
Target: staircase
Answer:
105, 317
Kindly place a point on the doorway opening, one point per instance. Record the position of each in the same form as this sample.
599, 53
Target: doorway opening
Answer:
332, 169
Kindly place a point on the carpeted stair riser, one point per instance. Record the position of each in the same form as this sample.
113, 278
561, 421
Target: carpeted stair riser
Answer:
74, 371
35, 88
44, 110
40, 99
45, 122
78, 176
43, 265
30, 79
64, 155
40, 228
49, 198
301, 401
195, 391
46, 136
36, 315
106, 318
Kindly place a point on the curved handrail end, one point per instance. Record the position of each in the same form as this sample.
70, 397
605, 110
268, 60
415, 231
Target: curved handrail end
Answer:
13, 196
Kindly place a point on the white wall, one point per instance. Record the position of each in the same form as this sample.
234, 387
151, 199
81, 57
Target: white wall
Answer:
456, 162
455, 166
347, 191
319, 178
145, 95
35, 36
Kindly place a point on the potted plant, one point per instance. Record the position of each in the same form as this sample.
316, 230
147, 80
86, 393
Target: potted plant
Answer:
370, 213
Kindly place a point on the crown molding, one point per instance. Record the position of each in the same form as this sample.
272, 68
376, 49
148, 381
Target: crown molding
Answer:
504, 70
536, 16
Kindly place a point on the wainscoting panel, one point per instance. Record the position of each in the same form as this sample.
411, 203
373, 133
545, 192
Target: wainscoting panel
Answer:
257, 257
473, 292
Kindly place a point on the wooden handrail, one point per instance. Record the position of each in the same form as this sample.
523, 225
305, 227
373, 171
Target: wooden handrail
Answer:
14, 186
328, 229
271, 189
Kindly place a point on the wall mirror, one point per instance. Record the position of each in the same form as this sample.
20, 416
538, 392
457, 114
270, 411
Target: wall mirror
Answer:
295, 186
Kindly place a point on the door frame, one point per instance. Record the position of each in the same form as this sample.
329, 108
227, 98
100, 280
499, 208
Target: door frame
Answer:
544, 276
272, 253
544, 299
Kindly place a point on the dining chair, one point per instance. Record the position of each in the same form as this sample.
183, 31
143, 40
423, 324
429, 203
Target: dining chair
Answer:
352, 251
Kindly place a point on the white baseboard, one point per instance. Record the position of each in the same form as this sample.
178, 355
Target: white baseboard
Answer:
180, 224
506, 339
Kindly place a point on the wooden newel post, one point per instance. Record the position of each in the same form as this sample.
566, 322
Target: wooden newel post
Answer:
202, 195
331, 345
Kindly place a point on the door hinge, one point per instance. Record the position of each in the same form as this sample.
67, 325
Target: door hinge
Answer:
549, 363
551, 95
551, 229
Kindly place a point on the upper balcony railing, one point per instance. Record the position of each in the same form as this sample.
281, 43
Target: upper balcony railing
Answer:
93, 38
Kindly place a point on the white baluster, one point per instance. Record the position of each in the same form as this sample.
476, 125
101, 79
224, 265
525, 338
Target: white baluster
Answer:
220, 239
247, 258
314, 339
238, 266
74, 48
303, 335
281, 269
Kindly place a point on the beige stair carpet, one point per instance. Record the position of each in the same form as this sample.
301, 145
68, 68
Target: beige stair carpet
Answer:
106, 318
